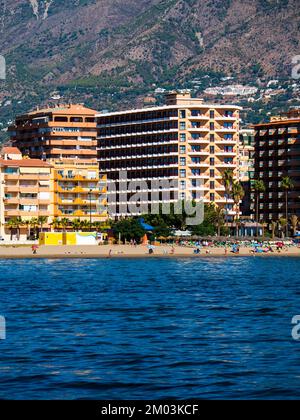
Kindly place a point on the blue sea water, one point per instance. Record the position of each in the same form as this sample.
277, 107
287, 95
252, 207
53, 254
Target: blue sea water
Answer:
150, 329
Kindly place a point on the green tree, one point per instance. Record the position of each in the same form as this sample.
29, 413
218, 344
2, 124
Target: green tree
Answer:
294, 223
287, 185
14, 224
259, 187
238, 194
77, 225
228, 179
56, 223
283, 223
274, 225
65, 223
42, 220
128, 229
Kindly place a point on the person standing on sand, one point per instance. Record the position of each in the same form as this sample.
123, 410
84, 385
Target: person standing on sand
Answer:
34, 249
110, 253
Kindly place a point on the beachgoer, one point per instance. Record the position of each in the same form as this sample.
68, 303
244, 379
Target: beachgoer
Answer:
34, 249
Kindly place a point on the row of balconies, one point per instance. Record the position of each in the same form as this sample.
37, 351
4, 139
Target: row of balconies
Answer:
27, 177
21, 213
80, 213
25, 202
75, 178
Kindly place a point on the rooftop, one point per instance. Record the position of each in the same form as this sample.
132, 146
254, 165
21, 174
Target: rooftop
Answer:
10, 151
61, 109
24, 163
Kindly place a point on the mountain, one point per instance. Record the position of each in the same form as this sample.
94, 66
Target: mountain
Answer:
113, 53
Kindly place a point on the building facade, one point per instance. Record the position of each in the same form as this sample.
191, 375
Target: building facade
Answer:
24, 192
277, 154
186, 141
62, 132
66, 137
77, 191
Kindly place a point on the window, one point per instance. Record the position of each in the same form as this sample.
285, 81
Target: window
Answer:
61, 119
182, 126
196, 149
212, 161
212, 150
212, 173
76, 119
212, 126
196, 172
228, 149
212, 185
11, 171
182, 137
212, 115
228, 137
182, 196
182, 161
182, 114
182, 173
182, 185
212, 197
182, 150
228, 125
228, 113
196, 160
212, 138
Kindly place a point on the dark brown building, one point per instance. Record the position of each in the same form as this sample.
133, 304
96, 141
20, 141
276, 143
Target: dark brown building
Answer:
277, 155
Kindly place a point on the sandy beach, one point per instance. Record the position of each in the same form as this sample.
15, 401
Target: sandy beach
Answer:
127, 251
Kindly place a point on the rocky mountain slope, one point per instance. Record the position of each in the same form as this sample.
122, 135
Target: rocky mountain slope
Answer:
111, 53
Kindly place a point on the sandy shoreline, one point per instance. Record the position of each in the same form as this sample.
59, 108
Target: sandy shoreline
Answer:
127, 251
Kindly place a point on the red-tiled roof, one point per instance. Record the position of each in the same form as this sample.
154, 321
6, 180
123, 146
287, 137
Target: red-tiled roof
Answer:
25, 163
11, 151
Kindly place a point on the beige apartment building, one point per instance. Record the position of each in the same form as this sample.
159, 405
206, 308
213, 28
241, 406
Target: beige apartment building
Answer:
186, 141
24, 193
65, 137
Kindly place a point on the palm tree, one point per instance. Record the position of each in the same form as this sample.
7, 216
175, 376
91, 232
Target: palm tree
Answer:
56, 223
238, 193
294, 223
220, 219
14, 224
42, 220
11, 224
283, 223
274, 227
259, 187
86, 225
35, 224
227, 179
27, 223
65, 223
287, 185
76, 225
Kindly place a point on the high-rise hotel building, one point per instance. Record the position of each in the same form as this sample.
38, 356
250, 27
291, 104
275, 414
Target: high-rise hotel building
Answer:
277, 155
66, 137
184, 141
61, 132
